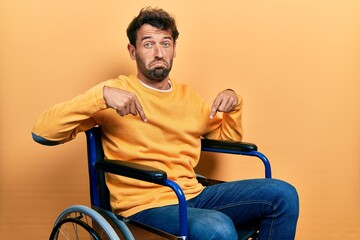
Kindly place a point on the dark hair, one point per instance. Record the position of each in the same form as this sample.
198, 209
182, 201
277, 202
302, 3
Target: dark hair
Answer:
156, 17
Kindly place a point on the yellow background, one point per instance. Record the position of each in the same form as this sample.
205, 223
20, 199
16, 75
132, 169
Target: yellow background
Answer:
296, 64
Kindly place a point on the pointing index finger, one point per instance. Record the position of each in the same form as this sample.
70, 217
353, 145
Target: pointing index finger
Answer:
140, 110
215, 107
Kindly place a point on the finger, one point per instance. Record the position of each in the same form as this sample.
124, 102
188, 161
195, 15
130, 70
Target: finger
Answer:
140, 110
215, 107
132, 108
231, 104
126, 109
226, 105
223, 104
121, 112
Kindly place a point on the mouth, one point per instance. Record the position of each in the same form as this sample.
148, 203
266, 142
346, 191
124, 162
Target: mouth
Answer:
158, 64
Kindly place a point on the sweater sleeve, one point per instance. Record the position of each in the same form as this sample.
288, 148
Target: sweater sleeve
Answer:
229, 127
62, 122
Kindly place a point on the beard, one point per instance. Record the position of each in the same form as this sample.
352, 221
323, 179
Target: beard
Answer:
156, 74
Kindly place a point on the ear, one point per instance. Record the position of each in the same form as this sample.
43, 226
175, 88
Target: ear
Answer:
132, 51
174, 49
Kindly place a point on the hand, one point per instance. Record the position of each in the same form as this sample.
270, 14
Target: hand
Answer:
123, 102
225, 101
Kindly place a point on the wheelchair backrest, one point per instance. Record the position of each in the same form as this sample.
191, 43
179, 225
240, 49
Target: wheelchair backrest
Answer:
99, 192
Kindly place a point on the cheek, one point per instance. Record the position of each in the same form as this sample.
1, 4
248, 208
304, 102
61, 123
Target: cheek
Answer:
141, 62
171, 54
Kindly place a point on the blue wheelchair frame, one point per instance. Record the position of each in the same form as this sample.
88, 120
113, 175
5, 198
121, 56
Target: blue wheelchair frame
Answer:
98, 165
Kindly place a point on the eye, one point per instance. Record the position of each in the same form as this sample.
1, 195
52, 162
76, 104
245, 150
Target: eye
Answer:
166, 44
148, 45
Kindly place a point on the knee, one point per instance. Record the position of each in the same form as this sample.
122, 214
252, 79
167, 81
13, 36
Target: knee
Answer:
215, 226
286, 198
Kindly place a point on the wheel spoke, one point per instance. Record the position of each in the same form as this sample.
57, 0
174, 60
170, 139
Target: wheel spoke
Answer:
82, 223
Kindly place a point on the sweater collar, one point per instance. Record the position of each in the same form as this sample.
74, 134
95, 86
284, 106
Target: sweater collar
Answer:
155, 89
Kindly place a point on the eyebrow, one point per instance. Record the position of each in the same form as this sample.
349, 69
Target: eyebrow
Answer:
145, 38
149, 37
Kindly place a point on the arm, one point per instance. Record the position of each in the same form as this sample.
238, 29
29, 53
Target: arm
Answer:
64, 121
229, 127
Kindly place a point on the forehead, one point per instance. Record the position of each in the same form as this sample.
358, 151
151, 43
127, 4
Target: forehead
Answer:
147, 31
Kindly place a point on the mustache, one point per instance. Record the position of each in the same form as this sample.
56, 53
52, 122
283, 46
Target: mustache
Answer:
158, 61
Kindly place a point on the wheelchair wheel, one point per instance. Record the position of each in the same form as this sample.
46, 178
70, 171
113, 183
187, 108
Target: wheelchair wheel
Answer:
81, 222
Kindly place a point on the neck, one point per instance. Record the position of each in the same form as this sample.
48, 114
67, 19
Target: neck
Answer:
161, 84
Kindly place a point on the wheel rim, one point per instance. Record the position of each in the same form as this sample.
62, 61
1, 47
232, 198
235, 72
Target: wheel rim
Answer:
78, 226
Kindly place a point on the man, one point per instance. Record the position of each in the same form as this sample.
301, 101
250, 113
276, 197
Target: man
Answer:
149, 119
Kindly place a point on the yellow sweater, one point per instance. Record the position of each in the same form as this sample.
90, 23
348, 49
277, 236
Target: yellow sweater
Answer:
169, 140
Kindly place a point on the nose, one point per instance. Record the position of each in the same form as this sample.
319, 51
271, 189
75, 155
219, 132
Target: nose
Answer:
159, 51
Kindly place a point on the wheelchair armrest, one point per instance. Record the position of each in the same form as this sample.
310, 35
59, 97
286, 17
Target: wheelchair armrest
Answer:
132, 170
207, 144
241, 148
149, 174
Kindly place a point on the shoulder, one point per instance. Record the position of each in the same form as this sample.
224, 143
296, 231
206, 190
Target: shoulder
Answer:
188, 94
185, 88
120, 81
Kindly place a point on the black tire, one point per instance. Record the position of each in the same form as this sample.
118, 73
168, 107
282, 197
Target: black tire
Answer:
81, 222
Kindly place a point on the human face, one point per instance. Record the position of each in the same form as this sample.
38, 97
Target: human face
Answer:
154, 54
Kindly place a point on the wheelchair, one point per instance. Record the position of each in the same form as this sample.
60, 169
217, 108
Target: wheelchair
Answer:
98, 222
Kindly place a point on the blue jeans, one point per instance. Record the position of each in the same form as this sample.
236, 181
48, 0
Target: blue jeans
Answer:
266, 204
